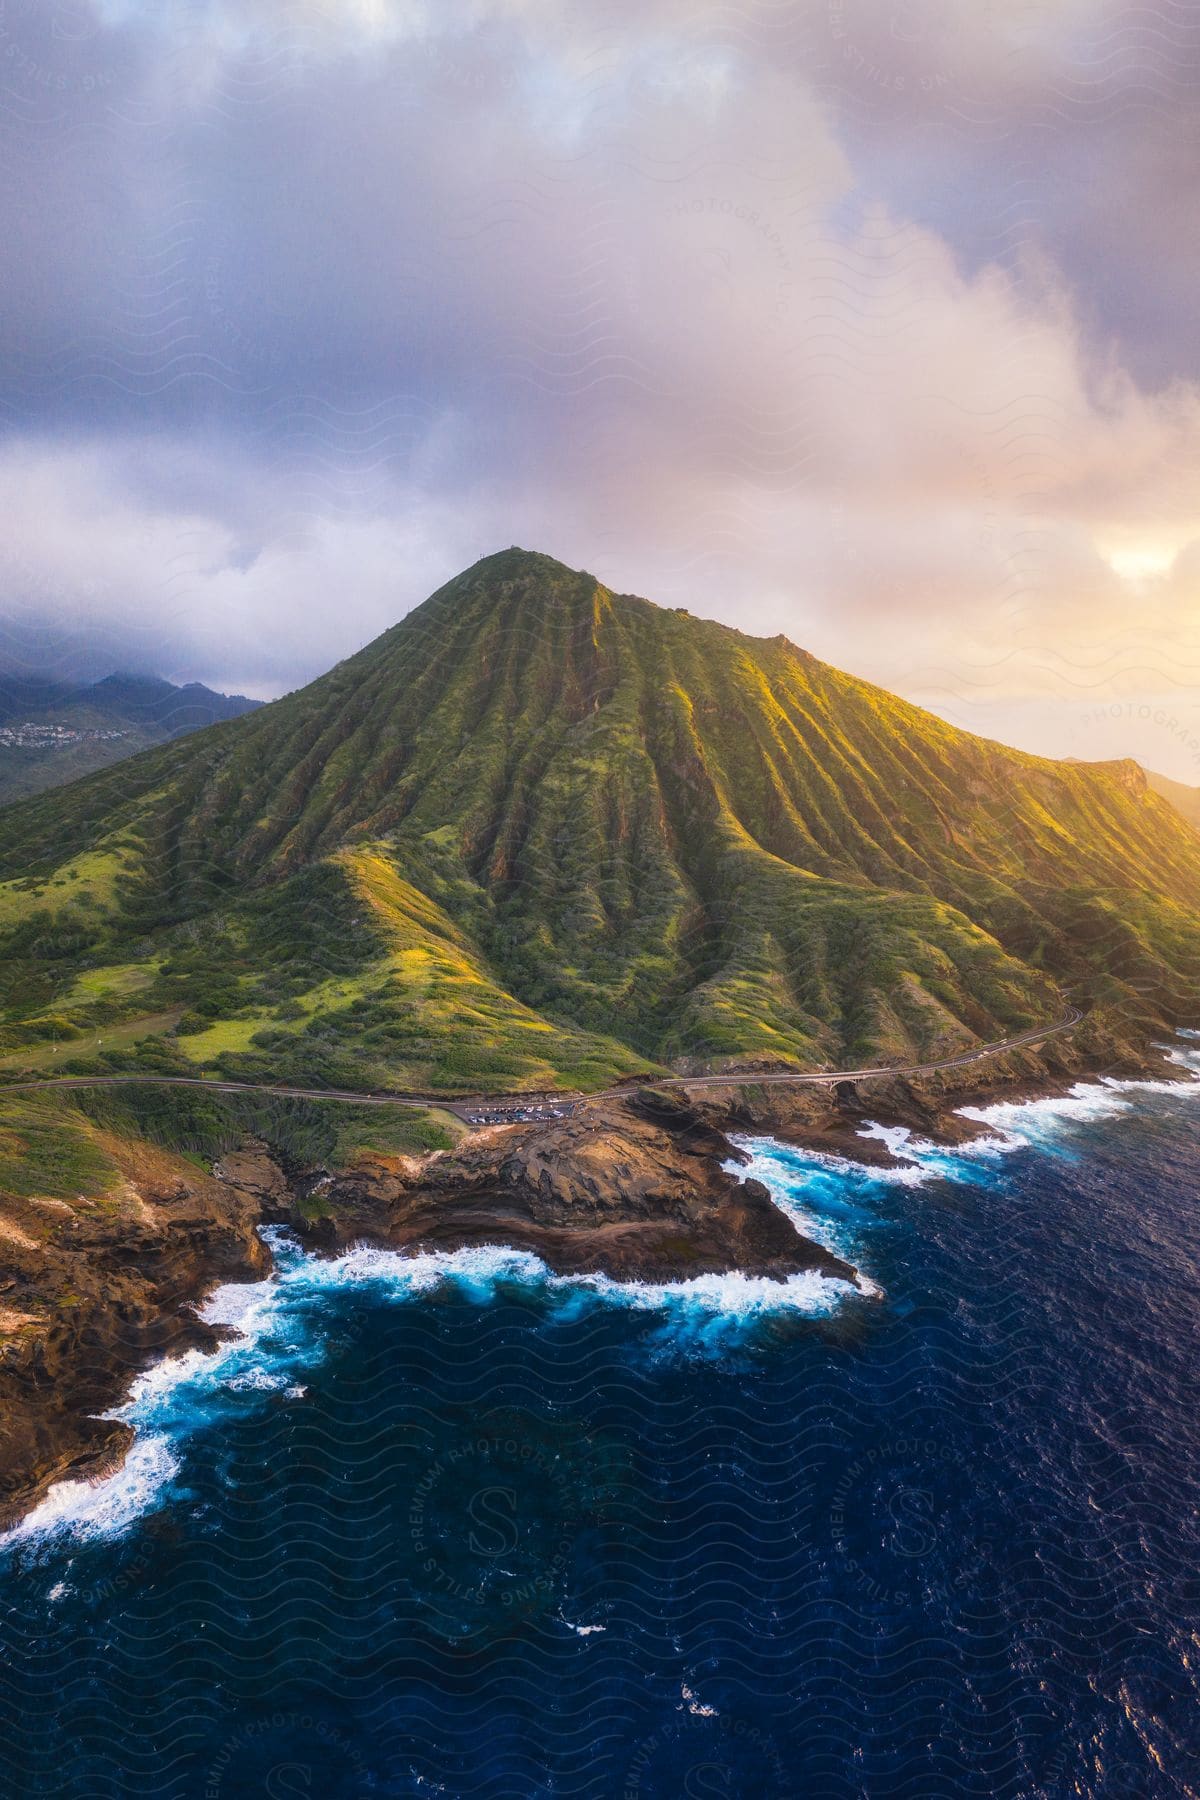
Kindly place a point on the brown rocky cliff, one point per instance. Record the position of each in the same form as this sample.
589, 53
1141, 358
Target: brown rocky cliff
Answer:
94, 1290
630, 1188
831, 1117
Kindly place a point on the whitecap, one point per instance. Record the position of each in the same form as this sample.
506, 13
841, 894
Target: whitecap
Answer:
829, 1199
165, 1404
730, 1295
1039, 1122
103, 1508
931, 1157
695, 1705
897, 1138
274, 1334
806, 1163
259, 1381
479, 1271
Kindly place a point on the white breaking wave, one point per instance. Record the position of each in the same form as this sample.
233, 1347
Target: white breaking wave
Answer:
828, 1198
105, 1508
1019, 1124
931, 1158
770, 1153
274, 1336
479, 1270
1034, 1122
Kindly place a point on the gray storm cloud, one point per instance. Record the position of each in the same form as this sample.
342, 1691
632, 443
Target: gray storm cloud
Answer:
867, 322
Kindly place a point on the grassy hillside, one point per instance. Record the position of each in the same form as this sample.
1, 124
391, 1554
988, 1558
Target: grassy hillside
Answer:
538, 833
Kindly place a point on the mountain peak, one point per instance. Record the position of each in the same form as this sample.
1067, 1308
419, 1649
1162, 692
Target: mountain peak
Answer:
517, 561
566, 833
514, 593
517, 575
531, 572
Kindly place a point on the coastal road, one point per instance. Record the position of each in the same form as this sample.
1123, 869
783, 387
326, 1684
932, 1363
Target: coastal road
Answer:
498, 1105
1033, 1036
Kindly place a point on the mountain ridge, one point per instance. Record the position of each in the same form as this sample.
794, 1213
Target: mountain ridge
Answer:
541, 834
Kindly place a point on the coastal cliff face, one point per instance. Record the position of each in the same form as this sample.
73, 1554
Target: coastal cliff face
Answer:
633, 1189
832, 1117
95, 1288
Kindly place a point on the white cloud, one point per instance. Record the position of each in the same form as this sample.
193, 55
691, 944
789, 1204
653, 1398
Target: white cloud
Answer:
337, 299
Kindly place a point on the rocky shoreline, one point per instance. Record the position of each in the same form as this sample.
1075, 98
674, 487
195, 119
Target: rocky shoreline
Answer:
634, 1188
99, 1295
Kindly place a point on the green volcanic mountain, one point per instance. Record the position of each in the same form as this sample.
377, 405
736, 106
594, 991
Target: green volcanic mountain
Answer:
539, 834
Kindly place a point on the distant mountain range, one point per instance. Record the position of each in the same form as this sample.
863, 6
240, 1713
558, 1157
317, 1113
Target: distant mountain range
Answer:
540, 834
52, 732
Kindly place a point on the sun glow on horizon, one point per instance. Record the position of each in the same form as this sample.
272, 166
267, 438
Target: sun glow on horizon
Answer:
1141, 559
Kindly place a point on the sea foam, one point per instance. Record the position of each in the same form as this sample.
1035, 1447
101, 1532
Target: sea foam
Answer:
276, 1333
87, 1510
1041, 1122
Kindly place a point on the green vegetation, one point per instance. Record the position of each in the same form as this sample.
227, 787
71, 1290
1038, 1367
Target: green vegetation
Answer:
538, 835
44, 1151
204, 1126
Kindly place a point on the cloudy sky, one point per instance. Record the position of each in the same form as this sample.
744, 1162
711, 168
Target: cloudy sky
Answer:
869, 321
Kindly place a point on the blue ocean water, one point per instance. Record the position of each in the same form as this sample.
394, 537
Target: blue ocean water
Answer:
454, 1526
